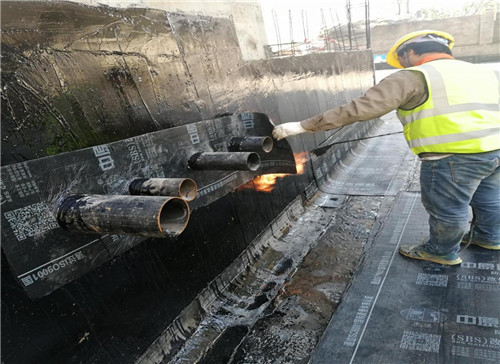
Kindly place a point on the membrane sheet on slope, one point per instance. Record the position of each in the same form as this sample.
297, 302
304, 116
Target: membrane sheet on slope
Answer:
400, 310
44, 257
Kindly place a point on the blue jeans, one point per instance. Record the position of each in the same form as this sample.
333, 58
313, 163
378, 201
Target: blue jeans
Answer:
448, 187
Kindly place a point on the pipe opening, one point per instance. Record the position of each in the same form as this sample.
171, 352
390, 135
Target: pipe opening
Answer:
188, 189
253, 161
174, 216
267, 144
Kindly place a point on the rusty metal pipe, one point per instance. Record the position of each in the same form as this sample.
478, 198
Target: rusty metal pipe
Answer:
251, 144
150, 216
234, 161
184, 188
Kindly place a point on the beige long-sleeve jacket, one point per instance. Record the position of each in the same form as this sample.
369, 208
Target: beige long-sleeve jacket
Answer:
402, 89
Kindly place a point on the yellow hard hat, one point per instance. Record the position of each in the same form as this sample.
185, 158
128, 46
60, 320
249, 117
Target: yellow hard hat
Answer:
419, 36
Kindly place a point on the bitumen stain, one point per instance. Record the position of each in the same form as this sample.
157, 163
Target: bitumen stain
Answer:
283, 265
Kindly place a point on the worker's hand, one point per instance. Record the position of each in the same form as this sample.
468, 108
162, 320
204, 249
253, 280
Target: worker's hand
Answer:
287, 129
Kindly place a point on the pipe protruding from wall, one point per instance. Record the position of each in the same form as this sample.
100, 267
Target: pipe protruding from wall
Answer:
251, 144
150, 216
184, 188
233, 161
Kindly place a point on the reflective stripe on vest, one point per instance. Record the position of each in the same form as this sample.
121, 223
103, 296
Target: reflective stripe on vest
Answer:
462, 112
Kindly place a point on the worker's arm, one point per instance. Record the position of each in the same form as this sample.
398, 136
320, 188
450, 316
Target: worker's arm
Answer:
405, 89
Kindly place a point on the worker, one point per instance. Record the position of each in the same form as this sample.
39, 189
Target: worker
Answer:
451, 119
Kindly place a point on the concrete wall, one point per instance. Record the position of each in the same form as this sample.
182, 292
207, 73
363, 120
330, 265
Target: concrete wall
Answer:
246, 15
78, 76
477, 37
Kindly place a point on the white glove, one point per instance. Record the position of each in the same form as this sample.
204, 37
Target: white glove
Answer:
288, 129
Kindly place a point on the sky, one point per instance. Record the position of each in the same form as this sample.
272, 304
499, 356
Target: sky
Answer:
308, 16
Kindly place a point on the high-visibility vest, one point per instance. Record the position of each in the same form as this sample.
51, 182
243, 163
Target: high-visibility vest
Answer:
462, 112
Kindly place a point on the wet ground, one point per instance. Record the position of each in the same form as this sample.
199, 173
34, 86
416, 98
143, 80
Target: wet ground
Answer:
308, 299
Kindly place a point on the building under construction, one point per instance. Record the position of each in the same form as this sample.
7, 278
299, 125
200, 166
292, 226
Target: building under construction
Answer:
148, 216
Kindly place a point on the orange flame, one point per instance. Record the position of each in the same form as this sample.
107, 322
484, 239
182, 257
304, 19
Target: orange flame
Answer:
266, 182
300, 161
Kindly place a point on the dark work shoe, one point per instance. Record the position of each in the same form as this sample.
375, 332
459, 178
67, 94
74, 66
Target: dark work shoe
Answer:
418, 252
486, 245
490, 246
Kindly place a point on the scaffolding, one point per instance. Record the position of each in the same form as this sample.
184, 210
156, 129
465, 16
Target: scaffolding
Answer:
335, 35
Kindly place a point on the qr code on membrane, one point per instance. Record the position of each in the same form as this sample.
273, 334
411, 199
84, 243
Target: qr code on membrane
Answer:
434, 280
420, 341
28, 221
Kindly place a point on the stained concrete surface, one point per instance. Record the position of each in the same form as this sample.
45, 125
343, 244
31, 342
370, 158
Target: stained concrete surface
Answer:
309, 298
